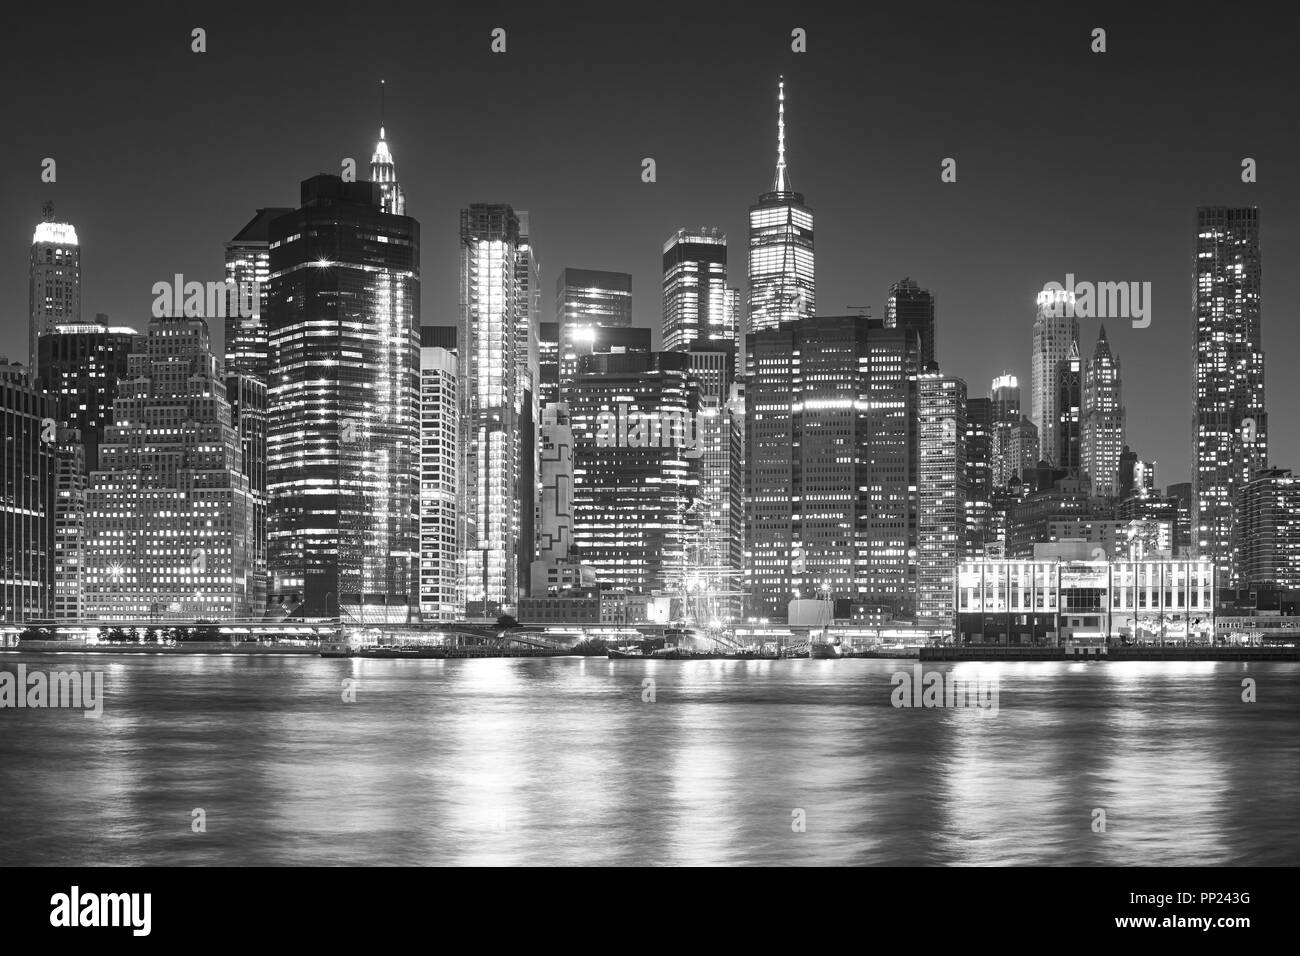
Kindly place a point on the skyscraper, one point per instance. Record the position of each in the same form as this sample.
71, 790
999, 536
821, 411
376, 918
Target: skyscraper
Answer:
248, 261
636, 474
1069, 402
717, 552
979, 473
343, 429
54, 279
169, 527
1056, 331
908, 306
246, 393
1270, 529
588, 301
942, 492
1005, 397
828, 464
1102, 430
383, 169
80, 365
439, 481
698, 307
1231, 424
29, 468
782, 283
527, 390
489, 444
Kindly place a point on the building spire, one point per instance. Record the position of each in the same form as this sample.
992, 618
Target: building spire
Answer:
782, 181
383, 169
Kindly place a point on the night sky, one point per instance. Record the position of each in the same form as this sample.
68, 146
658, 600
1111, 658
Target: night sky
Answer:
1067, 161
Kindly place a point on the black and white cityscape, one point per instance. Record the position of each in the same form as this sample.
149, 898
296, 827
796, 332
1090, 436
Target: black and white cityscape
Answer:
793, 438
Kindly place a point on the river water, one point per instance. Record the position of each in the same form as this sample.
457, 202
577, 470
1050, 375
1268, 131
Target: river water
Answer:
580, 761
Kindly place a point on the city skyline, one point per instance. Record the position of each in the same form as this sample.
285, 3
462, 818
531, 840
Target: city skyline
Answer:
881, 213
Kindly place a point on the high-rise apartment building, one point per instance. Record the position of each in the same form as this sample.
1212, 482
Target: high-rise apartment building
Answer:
1270, 529
1231, 424
942, 491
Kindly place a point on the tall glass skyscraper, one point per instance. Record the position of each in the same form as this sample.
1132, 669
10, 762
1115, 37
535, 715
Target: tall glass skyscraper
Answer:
635, 481
781, 278
1102, 437
248, 260
54, 279
1231, 423
490, 447
1056, 331
588, 301
698, 309
908, 306
343, 426
942, 493
28, 470
439, 482
829, 477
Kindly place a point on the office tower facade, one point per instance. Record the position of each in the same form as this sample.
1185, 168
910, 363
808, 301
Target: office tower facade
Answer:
1056, 337
717, 553
489, 408
246, 393
588, 301
782, 280
979, 473
343, 427
169, 530
248, 266
942, 491
1231, 423
636, 468
527, 386
1270, 529
28, 444
699, 308
1102, 428
828, 467
439, 481
70, 482
548, 364
80, 366
908, 306
1069, 403
54, 278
